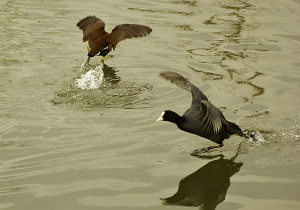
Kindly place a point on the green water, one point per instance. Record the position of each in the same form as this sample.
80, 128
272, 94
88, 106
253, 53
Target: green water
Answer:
66, 148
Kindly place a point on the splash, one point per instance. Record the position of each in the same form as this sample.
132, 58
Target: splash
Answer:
258, 136
91, 80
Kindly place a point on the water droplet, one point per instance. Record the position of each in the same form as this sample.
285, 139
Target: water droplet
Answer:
91, 80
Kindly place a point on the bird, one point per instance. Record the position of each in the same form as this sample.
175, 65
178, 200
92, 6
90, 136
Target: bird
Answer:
100, 42
202, 118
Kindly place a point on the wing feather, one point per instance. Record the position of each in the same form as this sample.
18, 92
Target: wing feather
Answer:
128, 31
176, 79
90, 25
213, 118
184, 83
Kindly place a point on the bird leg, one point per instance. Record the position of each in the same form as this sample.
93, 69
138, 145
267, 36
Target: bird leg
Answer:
198, 152
86, 62
103, 58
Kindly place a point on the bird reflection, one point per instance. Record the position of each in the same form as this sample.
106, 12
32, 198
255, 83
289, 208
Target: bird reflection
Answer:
207, 187
110, 74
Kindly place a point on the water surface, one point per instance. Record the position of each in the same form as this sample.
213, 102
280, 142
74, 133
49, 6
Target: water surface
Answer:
62, 147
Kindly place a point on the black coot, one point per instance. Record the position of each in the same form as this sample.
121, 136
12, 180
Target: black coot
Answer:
202, 118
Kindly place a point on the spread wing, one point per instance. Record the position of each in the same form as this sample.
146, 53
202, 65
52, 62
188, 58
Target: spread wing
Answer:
211, 116
184, 83
127, 31
91, 26
176, 79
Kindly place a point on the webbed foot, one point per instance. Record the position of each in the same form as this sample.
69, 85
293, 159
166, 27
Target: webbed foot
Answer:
198, 152
106, 57
164, 200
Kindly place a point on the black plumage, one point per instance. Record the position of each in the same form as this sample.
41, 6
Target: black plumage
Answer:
202, 118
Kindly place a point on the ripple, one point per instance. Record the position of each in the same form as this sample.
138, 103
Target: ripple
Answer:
99, 88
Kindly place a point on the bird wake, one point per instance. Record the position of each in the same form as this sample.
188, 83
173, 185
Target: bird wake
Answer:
91, 80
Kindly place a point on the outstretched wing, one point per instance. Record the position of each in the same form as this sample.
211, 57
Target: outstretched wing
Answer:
176, 79
91, 26
184, 83
127, 31
211, 116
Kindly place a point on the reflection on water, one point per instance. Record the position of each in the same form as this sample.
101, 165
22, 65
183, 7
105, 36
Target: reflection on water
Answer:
207, 187
110, 74
162, 11
230, 49
89, 151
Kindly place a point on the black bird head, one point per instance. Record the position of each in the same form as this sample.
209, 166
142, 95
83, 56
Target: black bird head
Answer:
169, 116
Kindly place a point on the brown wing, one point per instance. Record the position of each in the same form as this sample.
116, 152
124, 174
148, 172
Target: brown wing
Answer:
91, 26
127, 31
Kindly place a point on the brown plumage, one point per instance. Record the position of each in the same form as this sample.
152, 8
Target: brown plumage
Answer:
100, 42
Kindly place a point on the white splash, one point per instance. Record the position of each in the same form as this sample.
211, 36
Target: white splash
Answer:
258, 136
91, 80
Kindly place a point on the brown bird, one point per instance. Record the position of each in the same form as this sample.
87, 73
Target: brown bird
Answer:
202, 118
100, 42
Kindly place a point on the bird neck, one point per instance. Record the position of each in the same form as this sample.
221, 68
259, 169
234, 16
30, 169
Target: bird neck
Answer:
175, 118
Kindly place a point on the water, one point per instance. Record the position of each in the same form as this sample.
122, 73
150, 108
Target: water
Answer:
91, 80
63, 147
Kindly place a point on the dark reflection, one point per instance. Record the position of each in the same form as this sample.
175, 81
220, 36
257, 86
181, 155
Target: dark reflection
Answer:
207, 75
237, 47
257, 114
185, 27
255, 75
258, 90
162, 11
207, 187
235, 25
110, 74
